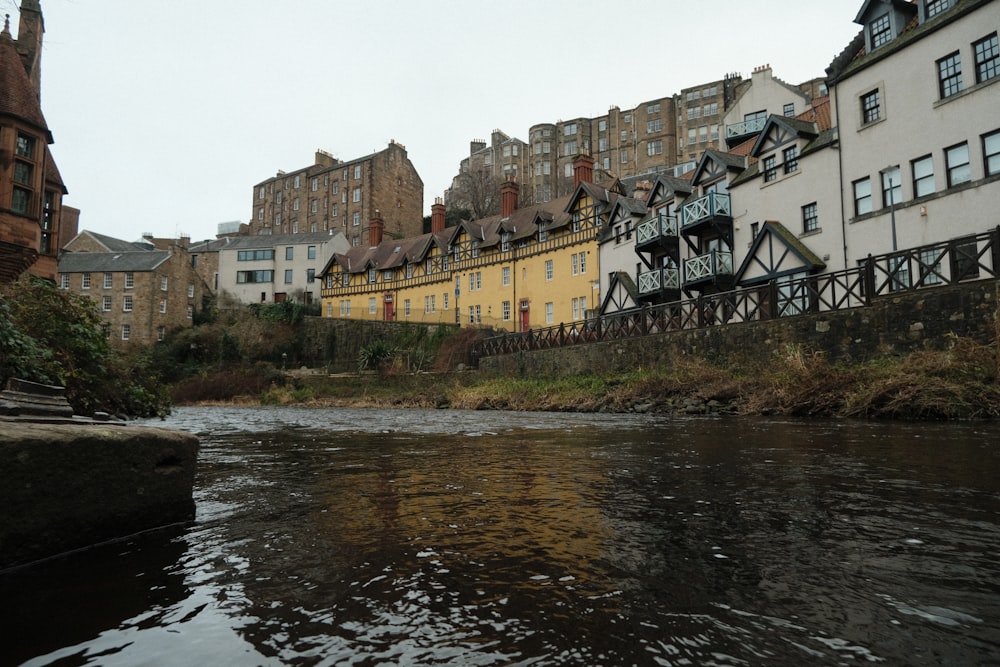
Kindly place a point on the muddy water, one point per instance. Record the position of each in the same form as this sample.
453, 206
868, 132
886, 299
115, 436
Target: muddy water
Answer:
354, 537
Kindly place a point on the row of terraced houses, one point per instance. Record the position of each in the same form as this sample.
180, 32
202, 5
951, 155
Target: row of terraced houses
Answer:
903, 152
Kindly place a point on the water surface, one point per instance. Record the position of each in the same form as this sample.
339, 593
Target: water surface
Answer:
364, 537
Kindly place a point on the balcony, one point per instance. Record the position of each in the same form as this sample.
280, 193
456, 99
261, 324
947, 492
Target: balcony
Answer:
714, 209
657, 231
660, 285
739, 132
712, 268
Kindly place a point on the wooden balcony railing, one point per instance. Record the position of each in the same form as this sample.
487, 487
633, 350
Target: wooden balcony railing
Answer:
714, 204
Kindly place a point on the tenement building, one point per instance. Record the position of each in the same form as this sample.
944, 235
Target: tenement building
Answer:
143, 293
33, 220
342, 196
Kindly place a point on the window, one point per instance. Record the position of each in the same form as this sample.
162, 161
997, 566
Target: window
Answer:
409, 270
770, 168
791, 157
935, 7
444, 301
248, 256
19, 200
371, 305
357, 171
583, 262
569, 129
923, 176
356, 221
163, 283
654, 126
295, 203
289, 253
966, 260
569, 148
930, 266
108, 280
810, 218
891, 186
956, 161
243, 277
106, 304
703, 133
710, 109
356, 195
692, 135
372, 274
506, 276
161, 333
871, 107
991, 153
576, 308
576, 264
311, 252
25, 146
987, 55
64, 281
506, 311
950, 75
788, 110
715, 131
126, 331
288, 276
653, 108
129, 280
623, 156
548, 269
85, 281
190, 291
880, 31
163, 306
693, 112
127, 303
862, 196
549, 313
23, 172
654, 147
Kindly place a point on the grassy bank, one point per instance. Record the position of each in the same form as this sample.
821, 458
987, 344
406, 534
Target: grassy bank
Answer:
960, 383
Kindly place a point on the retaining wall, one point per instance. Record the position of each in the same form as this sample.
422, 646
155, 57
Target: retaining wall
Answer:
893, 324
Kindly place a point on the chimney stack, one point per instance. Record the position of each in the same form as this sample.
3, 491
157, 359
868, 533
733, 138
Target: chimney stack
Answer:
508, 198
583, 170
375, 229
437, 216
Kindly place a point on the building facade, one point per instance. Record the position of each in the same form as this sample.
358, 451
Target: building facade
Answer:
34, 223
523, 269
143, 293
272, 268
342, 196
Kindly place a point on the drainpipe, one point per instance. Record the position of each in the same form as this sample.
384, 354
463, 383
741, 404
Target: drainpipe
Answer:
840, 175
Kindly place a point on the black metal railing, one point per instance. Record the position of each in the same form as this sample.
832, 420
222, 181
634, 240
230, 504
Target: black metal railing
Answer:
925, 267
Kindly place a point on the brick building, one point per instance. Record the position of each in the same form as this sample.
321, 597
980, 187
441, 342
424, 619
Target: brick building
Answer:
336, 195
33, 221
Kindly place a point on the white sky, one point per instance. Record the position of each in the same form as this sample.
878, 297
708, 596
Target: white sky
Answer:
165, 113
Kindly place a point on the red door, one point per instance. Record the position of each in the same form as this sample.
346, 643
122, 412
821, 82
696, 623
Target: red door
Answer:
388, 308
525, 322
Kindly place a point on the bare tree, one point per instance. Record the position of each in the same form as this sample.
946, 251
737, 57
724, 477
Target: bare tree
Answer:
478, 191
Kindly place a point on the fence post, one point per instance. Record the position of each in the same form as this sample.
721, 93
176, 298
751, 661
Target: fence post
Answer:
772, 300
996, 251
700, 308
869, 274
644, 328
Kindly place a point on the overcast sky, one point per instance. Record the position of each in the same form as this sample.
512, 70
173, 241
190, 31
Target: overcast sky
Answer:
166, 113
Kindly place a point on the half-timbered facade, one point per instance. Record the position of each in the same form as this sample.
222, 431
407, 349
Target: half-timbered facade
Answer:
526, 268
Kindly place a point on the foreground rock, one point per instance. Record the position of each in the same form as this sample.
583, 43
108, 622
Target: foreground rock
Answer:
66, 485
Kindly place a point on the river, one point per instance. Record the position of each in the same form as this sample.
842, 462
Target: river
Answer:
370, 537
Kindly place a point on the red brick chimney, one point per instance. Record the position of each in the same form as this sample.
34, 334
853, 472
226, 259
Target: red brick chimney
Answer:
375, 229
508, 198
583, 169
437, 216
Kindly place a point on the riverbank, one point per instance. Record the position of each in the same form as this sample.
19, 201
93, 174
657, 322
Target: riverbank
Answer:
959, 383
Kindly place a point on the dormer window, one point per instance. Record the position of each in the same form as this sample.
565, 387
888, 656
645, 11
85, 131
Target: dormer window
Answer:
880, 31
934, 7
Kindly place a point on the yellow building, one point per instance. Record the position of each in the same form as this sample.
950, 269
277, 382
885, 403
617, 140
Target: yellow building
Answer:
524, 269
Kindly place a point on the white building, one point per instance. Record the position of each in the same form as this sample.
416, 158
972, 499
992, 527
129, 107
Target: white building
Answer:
274, 268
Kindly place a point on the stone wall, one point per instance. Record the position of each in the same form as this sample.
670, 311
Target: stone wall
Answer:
335, 344
67, 486
895, 324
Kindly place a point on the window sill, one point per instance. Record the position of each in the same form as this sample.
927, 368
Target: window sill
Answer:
811, 232
968, 91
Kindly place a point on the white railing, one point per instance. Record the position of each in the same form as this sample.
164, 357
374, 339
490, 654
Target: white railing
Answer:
710, 205
745, 127
711, 264
651, 282
657, 227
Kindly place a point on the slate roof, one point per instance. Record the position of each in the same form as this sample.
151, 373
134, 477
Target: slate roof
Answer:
117, 245
274, 240
112, 262
17, 95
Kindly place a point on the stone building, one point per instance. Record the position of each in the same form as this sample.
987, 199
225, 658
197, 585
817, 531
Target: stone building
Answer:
142, 292
342, 196
33, 221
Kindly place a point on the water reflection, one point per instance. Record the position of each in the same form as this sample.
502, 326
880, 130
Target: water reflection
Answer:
506, 539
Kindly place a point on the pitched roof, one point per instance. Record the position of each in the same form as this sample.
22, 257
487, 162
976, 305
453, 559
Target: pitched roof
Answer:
273, 240
18, 97
112, 262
